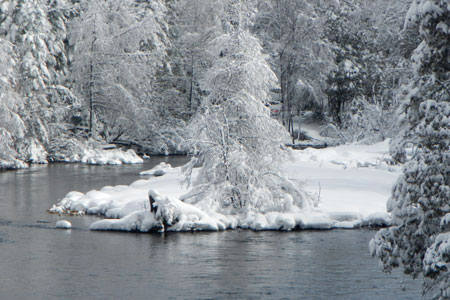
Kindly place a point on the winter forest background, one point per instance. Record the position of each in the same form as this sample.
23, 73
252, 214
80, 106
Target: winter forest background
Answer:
198, 76
75, 73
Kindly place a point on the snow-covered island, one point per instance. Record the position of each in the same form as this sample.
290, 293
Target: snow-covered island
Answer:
347, 187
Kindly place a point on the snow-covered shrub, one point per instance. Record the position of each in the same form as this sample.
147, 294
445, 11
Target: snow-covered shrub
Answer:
69, 149
366, 122
168, 137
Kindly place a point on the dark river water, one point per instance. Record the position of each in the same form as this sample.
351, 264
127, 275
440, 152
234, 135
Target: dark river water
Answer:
38, 261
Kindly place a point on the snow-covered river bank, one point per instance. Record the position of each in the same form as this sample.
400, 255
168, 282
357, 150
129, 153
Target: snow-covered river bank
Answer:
39, 262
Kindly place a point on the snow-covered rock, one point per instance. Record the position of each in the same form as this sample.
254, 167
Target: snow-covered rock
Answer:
158, 170
63, 224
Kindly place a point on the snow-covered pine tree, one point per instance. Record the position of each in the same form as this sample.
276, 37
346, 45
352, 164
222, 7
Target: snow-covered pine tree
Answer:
237, 144
12, 128
433, 54
37, 30
420, 203
358, 71
26, 26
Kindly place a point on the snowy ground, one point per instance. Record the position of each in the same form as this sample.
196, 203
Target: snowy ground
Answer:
349, 186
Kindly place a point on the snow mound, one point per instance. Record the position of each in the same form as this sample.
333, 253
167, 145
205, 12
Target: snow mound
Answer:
110, 157
63, 224
171, 215
158, 170
136, 221
91, 152
175, 215
378, 219
12, 164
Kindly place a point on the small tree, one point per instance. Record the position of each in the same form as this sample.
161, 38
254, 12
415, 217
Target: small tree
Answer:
237, 144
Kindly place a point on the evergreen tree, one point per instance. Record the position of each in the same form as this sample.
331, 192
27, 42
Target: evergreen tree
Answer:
37, 30
420, 202
12, 127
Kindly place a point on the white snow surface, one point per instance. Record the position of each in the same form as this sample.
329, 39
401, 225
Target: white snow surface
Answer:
349, 185
109, 157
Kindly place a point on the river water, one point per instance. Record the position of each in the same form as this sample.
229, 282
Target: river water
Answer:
38, 261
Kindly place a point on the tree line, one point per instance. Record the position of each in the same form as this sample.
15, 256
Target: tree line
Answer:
80, 72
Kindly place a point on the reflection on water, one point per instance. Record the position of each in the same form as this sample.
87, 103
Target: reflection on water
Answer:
40, 262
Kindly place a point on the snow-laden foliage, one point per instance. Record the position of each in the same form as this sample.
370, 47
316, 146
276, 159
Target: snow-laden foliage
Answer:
371, 64
437, 266
433, 54
119, 58
365, 68
197, 22
137, 65
37, 30
12, 127
343, 87
366, 122
420, 202
292, 33
421, 197
237, 144
29, 30
431, 65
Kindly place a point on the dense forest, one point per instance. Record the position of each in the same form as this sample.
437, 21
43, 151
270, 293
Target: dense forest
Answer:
76, 74
199, 76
